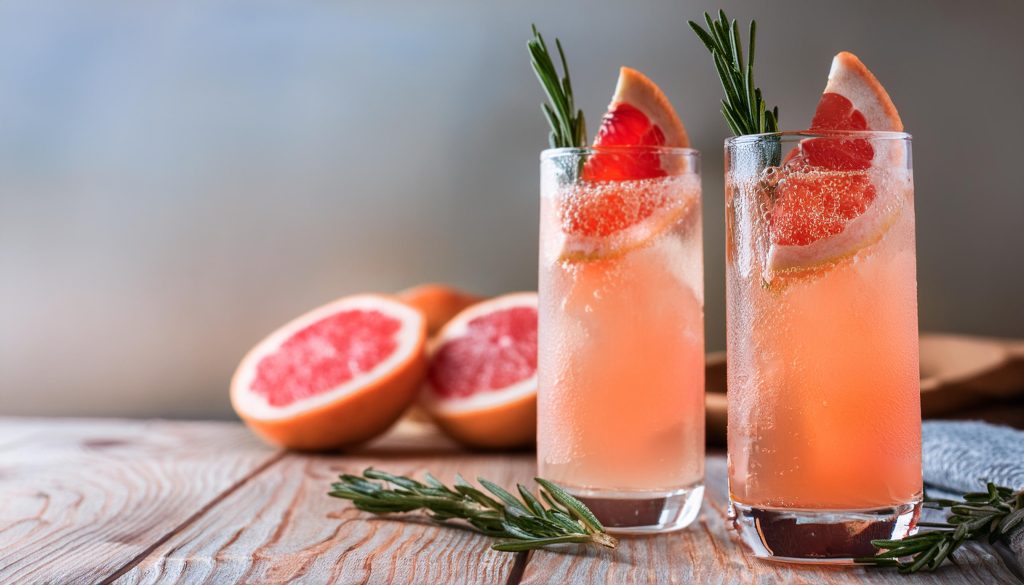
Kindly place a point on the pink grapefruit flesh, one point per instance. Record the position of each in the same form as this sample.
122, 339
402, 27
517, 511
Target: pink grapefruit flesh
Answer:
497, 350
325, 355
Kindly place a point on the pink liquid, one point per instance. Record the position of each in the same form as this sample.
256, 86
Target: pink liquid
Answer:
824, 405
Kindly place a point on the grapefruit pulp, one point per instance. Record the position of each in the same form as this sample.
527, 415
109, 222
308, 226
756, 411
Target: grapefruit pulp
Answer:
336, 376
828, 210
481, 385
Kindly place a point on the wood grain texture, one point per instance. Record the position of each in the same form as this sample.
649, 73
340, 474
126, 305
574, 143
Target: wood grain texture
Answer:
179, 502
79, 499
707, 552
282, 527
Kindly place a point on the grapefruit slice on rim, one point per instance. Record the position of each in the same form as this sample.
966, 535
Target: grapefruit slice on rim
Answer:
481, 385
612, 212
336, 376
639, 115
829, 210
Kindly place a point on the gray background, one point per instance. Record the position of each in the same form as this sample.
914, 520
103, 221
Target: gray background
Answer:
178, 178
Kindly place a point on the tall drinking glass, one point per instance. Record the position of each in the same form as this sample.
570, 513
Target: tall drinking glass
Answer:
621, 333
824, 396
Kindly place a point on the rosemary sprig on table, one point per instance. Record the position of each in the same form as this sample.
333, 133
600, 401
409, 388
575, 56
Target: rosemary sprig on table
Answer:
743, 107
991, 515
523, 524
568, 127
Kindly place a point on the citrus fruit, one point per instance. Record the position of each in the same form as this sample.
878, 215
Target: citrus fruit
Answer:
481, 385
638, 115
336, 376
825, 205
438, 303
616, 209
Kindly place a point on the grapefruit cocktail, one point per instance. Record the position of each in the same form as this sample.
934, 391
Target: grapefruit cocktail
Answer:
824, 401
621, 327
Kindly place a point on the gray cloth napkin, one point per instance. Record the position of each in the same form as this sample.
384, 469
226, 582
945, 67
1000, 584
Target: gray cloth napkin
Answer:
961, 456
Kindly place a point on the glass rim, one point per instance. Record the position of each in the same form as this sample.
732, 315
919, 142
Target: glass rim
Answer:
549, 153
804, 134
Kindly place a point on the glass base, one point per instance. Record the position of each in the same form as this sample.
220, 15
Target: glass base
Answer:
643, 512
821, 536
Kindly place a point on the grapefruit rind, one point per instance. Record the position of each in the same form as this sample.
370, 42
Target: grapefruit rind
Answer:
410, 341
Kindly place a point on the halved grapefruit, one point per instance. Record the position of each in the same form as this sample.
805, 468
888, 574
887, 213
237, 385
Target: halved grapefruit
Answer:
481, 385
339, 375
438, 303
616, 209
828, 209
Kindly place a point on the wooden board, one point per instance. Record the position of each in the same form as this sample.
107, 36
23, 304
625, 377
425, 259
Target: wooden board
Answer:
178, 502
80, 499
282, 527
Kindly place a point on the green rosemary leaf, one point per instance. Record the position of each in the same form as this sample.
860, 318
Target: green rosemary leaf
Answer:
703, 36
1011, 521
405, 482
530, 500
511, 503
574, 506
521, 545
568, 127
513, 531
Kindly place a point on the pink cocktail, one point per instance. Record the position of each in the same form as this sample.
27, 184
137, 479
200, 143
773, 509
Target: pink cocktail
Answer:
621, 340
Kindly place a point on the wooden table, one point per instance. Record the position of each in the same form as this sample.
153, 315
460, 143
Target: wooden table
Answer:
105, 501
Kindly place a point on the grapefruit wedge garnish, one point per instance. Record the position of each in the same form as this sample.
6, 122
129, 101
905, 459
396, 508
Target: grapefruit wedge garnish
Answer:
334, 377
639, 115
826, 204
615, 208
481, 385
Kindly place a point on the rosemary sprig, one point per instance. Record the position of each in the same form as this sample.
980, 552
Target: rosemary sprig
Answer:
523, 524
992, 515
568, 128
743, 107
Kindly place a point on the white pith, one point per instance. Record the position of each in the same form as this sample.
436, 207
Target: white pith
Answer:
457, 328
408, 338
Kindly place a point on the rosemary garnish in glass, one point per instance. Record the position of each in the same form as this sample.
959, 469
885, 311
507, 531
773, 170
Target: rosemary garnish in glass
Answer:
743, 107
568, 127
990, 515
523, 524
